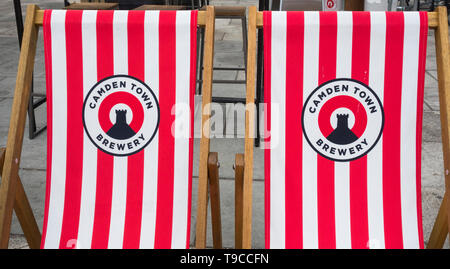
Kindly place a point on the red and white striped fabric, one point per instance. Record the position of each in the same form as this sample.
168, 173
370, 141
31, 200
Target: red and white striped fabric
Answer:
313, 200
95, 199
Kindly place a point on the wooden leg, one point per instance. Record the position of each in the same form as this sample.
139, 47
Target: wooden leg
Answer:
238, 199
26, 218
214, 192
440, 229
8, 186
24, 212
202, 203
443, 71
249, 132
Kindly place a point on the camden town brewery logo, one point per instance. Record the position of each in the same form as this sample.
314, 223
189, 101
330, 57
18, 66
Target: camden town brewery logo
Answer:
121, 115
342, 119
331, 4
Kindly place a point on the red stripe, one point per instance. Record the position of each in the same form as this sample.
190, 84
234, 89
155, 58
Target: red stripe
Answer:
74, 157
135, 171
192, 82
105, 162
48, 72
420, 93
167, 62
391, 134
325, 167
133, 211
267, 94
358, 204
294, 97
358, 168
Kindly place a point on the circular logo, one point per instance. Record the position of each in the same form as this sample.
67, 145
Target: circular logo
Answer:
330, 4
121, 115
342, 119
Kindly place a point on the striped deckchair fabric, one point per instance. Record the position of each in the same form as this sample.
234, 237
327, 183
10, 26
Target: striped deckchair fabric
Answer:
344, 94
120, 91
120, 95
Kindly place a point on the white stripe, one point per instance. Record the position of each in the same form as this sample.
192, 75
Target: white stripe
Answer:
119, 195
342, 205
342, 169
375, 157
278, 128
88, 187
59, 136
310, 82
151, 151
182, 130
408, 130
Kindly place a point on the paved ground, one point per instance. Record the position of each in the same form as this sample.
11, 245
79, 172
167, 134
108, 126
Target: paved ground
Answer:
228, 53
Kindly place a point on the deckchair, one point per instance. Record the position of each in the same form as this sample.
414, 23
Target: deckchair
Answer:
115, 181
341, 172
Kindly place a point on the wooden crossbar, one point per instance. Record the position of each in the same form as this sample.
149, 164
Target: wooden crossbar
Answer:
39, 18
432, 19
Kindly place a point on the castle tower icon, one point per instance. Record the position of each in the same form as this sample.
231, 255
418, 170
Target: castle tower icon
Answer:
121, 130
342, 135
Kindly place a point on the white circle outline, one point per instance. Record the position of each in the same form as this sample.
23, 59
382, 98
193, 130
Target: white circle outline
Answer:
323, 86
157, 111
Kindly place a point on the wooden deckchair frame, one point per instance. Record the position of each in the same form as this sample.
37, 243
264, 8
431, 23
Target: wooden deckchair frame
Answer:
12, 194
244, 163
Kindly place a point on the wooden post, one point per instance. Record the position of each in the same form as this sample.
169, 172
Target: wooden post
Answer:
214, 193
249, 131
26, 218
23, 211
443, 72
238, 199
8, 187
440, 229
202, 202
